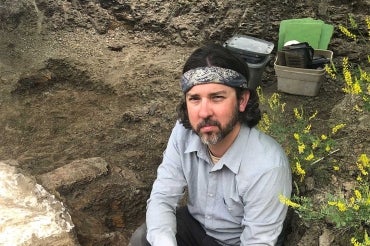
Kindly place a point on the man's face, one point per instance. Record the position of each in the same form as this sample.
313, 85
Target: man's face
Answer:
213, 111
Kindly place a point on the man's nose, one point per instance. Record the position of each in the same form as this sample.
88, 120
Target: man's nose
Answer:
205, 109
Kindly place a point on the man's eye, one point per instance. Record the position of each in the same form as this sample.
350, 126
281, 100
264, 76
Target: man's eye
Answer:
218, 98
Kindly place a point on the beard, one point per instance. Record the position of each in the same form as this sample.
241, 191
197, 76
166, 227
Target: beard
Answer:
212, 138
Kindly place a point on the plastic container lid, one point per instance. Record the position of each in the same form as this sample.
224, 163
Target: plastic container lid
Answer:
249, 44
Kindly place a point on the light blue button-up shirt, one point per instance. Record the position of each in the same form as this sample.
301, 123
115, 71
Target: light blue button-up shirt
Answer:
236, 200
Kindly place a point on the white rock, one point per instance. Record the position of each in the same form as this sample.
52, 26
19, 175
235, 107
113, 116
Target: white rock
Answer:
29, 214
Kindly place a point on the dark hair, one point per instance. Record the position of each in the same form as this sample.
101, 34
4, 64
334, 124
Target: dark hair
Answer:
219, 56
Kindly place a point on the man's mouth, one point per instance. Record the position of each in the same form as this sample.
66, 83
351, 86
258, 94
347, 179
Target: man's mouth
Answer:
208, 126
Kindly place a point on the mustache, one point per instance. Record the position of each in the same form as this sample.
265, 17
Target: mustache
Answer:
208, 122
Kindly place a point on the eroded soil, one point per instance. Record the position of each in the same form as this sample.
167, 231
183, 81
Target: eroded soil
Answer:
98, 82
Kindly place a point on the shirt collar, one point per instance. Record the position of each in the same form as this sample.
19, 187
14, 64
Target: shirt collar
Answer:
232, 158
194, 144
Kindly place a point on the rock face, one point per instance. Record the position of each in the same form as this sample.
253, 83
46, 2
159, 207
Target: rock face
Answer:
29, 214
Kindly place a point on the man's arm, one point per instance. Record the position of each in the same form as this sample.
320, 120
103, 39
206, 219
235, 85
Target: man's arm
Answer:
167, 190
264, 214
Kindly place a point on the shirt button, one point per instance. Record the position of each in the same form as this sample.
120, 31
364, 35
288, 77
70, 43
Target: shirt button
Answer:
210, 194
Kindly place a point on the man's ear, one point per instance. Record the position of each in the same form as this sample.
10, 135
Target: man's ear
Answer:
244, 100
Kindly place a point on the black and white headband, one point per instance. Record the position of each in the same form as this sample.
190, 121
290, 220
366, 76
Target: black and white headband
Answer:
206, 75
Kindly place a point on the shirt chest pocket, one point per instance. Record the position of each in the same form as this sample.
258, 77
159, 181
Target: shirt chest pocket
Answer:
234, 207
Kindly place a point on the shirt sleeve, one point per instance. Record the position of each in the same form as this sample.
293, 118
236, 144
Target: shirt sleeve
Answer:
167, 190
264, 214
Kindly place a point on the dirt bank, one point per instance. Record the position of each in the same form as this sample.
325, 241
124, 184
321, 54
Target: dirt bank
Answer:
82, 79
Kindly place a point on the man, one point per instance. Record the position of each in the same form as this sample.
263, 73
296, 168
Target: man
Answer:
233, 173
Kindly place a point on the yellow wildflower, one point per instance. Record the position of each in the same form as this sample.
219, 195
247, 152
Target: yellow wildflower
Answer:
297, 114
296, 136
288, 202
323, 137
364, 160
336, 168
352, 201
363, 164
336, 128
362, 169
260, 94
330, 71
357, 108
265, 123
332, 203
345, 63
307, 129
358, 194
310, 157
364, 75
327, 148
341, 206
315, 144
301, 148
299, 170
346, 32
356, 207
346, 72
356, 88
347, 77
313, 116
274, 101
354, 242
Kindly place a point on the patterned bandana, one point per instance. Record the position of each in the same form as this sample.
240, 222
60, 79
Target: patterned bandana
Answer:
206, 75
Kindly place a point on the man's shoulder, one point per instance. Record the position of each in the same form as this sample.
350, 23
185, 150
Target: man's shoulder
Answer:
258, 138
180, 130
181, 134
262, 150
